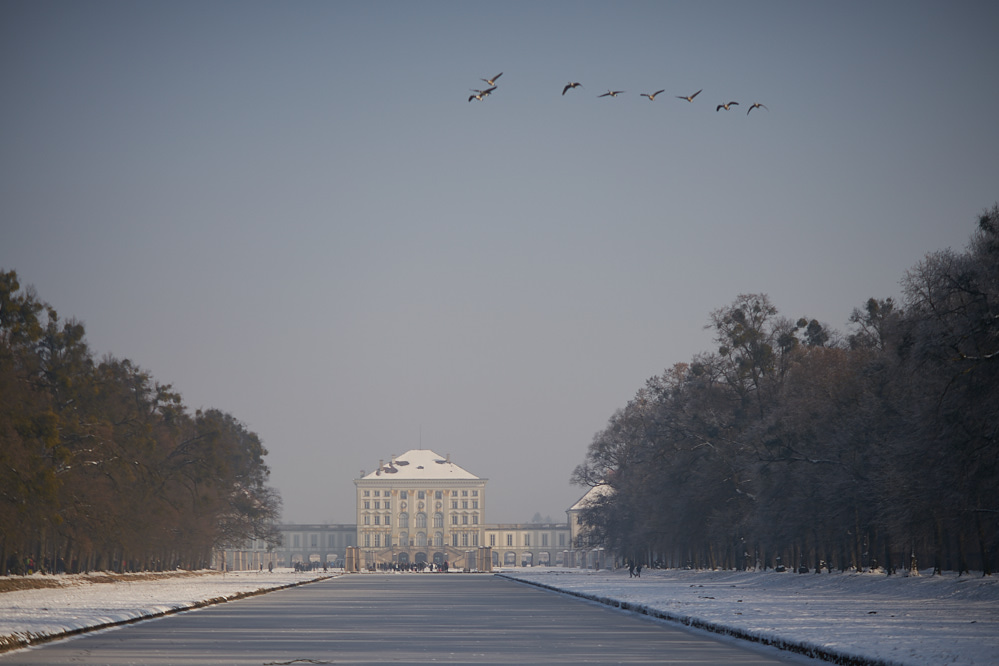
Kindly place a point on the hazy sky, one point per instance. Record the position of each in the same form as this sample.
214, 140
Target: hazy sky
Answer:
291, 212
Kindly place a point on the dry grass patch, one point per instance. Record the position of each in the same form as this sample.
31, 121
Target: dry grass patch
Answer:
14, 583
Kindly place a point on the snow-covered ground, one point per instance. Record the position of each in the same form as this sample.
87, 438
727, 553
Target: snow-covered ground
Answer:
916, 620
78, 603
920, 620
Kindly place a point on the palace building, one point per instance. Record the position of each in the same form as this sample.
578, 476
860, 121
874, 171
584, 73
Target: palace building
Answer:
419, 507
422, 507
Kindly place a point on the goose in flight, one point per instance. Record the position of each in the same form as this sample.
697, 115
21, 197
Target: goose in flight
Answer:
492, 81
612, 93
481, 94
652, 97
755, 105
573, 84
725, 106
689, 98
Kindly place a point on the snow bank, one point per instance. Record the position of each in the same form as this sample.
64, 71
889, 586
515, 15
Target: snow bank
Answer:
77, 604
843, 617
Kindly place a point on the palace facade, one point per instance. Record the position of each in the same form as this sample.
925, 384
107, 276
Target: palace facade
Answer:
422, 507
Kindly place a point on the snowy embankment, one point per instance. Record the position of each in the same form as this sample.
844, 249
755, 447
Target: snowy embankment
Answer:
75, 604
859, 618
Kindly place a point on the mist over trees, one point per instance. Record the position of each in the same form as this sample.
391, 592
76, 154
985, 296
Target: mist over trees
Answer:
102, 467
791, 445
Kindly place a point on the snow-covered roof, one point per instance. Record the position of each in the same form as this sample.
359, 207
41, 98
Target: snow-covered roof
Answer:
419, 464
592, 495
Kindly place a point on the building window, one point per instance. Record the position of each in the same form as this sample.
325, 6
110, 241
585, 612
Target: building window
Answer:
438, 540
297, 541
332, 540
475, 519
464, 504
464, 538
378, 504
378, 520
438, 494
403, 494
475, 504
561, 539
367, 504
454, 539
492, 539
403, 520
314, 540
421, 539
388, 520
544, 540
378, 493
367, 519
421, 521
454, 504
367, 540
464, 520
454, 519
378, 541
387, 505
438, 519
527, 541
509, 539
464, 493
475, 493
475, 538
421, 495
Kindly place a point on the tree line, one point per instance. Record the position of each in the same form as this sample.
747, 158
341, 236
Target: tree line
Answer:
104, 468
794, 446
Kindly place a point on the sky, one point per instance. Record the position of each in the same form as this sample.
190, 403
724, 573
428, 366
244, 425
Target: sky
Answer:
291, 211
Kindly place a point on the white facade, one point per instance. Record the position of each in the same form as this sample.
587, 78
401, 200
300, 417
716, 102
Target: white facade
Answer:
419, 507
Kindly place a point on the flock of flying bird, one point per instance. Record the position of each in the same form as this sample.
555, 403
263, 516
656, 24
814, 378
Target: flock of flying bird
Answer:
491, 82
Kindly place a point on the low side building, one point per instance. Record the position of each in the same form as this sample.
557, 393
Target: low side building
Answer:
316, 544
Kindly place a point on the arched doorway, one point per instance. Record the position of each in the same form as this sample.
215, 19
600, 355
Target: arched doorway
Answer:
439, 559
420, 557
403, 559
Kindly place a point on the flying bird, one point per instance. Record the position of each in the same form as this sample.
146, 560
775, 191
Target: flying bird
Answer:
480, 94
755, 105
574, 84
652, 97
492, 81
689, 98
612, 93
725, 106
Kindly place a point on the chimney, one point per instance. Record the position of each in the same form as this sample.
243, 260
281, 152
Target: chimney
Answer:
448, 457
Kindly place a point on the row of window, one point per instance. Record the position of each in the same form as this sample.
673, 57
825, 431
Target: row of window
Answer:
422, 494
339, 540
458, 539
378, 505
421, 520
527, 540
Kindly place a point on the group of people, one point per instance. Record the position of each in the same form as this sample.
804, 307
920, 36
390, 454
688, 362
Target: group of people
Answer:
413, 566
634, 569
